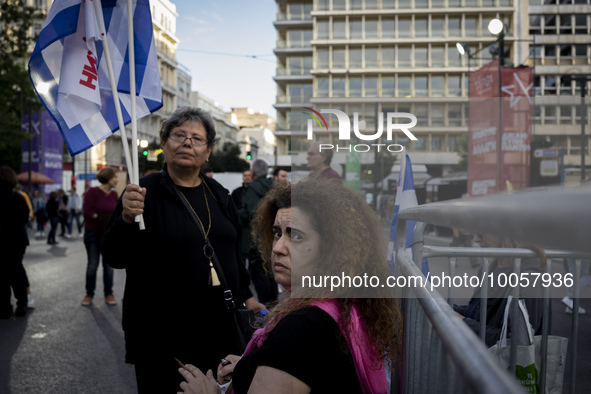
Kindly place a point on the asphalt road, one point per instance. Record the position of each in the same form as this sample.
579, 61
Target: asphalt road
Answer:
61, 346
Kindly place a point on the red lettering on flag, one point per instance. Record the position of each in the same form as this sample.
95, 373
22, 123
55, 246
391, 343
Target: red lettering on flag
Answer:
89, 72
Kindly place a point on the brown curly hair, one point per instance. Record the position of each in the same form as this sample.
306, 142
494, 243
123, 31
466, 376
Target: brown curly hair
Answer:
350, 238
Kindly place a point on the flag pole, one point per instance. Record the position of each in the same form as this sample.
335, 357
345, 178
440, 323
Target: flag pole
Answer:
132, 92
101, 24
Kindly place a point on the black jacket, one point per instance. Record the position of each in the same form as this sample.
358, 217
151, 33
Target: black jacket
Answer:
169, 306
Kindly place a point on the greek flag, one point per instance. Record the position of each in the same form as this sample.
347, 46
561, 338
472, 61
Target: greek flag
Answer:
69, 72
406, 197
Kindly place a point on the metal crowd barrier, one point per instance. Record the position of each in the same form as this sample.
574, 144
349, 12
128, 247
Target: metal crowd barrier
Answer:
549, 218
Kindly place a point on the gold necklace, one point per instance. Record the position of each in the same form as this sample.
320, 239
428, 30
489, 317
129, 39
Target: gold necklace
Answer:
207, 248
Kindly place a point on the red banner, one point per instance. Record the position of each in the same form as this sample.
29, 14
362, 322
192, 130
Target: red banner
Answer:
515, 118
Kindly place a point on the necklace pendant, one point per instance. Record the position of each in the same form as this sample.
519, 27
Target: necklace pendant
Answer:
208, 251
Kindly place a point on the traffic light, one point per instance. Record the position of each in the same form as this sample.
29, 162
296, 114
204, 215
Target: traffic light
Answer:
145, 153
248, 155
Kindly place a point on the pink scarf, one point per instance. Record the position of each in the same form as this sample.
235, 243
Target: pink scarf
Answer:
372, 378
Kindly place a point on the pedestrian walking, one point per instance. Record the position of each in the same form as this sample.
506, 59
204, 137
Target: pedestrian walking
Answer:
53, 216
63, 211
39, 206
99, 203
74, 209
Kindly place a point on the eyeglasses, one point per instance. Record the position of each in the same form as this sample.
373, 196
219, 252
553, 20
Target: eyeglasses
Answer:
181, 138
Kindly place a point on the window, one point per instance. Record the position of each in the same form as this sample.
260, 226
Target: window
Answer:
421, 28
388, 28
404, 57
404, 29
371, 87
453, 143
454, 86
388, 57
437, 59
322, 58
338, 87
339, 4
436, 143
322, 87
535, 24
355, 58
437, 115
322, 4
566, 25
581, 24
581, 54
549, 54
355, 87
322, 30
420, 85
549, 114
437, 87
421, 3
565, 114
454, 27
356, 4
371, 28
404, 87
421, 111
371, 4
566, 86
453, 56
339, 29
550, 24
421, 59
437, 27
338, 58
371, 57
454, 115
387, 86
420, 145
356, 28
470, 27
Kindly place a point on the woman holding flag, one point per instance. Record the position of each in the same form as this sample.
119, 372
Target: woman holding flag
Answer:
174, 306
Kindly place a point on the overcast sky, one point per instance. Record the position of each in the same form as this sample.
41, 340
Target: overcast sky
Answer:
234, 27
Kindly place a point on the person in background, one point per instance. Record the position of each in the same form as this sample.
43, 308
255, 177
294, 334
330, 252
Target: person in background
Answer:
53, 216
264, 284
319, 163
238, 193
18, 188
279, 175
39, 205
63, 211
74, 209
14, 215
207, 171
99, 204
171, 292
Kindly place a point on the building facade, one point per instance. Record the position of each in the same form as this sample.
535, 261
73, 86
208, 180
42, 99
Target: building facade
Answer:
371, 56
227, 132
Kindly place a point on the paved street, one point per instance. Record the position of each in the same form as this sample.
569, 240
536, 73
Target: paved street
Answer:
61, 346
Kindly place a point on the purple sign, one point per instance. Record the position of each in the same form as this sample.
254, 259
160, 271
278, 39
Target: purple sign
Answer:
46, 149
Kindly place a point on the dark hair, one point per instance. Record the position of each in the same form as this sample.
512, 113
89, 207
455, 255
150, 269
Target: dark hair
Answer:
276, 171
350, 234
105, 174
7, 177
189, 114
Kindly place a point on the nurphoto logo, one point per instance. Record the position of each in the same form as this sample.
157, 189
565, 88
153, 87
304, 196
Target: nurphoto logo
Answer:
345, 130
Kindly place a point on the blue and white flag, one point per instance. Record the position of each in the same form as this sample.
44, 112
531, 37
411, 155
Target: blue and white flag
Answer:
406, 197
69, 72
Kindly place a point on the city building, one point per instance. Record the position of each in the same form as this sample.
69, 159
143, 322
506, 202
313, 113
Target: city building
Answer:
562, 55
371, 56
227, 132
247, 117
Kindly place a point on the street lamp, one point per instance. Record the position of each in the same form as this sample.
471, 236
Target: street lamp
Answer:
497, 27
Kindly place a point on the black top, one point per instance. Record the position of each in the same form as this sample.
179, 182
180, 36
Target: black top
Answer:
308, 345
169, 307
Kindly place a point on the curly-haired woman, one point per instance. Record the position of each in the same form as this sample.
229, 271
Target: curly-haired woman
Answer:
323, 339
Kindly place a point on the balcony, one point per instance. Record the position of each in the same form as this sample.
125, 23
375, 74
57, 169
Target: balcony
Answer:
285, 101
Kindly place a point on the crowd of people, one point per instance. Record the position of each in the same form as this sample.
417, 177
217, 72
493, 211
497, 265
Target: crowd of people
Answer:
210, 253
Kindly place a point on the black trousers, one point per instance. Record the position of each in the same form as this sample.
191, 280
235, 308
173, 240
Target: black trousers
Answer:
155, 376
12, 274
